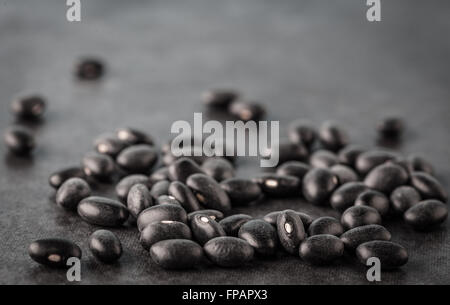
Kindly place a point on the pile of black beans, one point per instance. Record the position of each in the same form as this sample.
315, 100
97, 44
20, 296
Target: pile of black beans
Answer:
182, 206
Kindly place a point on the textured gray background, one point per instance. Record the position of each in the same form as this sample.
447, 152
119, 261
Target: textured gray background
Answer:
315, 59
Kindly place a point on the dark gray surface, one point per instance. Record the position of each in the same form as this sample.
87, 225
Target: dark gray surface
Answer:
316, 59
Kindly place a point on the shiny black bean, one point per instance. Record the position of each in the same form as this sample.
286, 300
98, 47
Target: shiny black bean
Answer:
359, 235
233, 223
159, 213
417, 163
274, 185
294, 168
273, 216
160, 188
290, 152
426, 214
89, 69
229, 251
57, 178
218, 168
241, 191
99, 166
332, 136
368, 160
391, 255
159, 175
220, 98
345, 196
137, 159
428, 186
344, 173
19, 140
133, 136
323, 159
208, 192
247, 111
318, 185
138, 199
30, 107
125, 184
374, 199
361, 215
177, 254
325, 225
167, 199
204, 228
71, 192
102, 211
184, 195
109, 144
182, 168
53, 252
321, 249
163, 230
390, 127
302, 131
261, 235
214, 214
349, 154
404, 197
386, 177
290, 231
105, 246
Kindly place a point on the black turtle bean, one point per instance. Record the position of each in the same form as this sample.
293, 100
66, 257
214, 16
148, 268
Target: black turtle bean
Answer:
19, 140
426, 214
278, 186
109, 144
125, 184
332, 136
102, 211
57, 178
241, 191
99, 166
390, 127
261, 235
138, 199
368, 160
177, 254
196, 154
133, 136
325, 225
53, 252
294, 168
428, 186
391, 255
345, 196
89, 68
105, 246
214, 214
344, 173
359, 235
361, 215
167, 199
204, 228
290, 230
227, 251
290, 152
386, 177
323, 159
417, 163
159, 175
302, 132
404, 197
246, 111
273, 216
374, 199
162, 212
321, 249
349, 154
160, 188
163, 230
218, 168
318, 184
30, 107
71, 192
184, 195
137, 159
182, 168
208, 192
219, 98
233, 223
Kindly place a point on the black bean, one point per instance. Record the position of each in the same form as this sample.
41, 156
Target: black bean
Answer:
428, 186
391, 255
99, 166
125, 184
195, 154
204, 228
138, 199
219, 97
167, 199
159, 175
294, 168
163, 230
386, 177
133, 136
214, 214
184, 195
349, 154
417, 163
390, 127
102, 211
159, 213
302, 131
374, 199
137, 159
273, 216
359, 235
182, 168
177, 254
208, 192
278, 185
57, 178
345, 196
229, 251
332, 136
218, 168
89, 68
241, 191
426, 214
290, 230
290, 152
404, 197
105, 246
19, 140
71, 192
323, 159
160, 188
53, 252
261, 235
361, 215
247, 111
368, 160
29, 107
321, 249
109, 144
318, 184
233, 223
344, 173
325, 225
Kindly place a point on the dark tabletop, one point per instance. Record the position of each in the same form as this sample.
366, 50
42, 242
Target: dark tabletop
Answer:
315, 59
